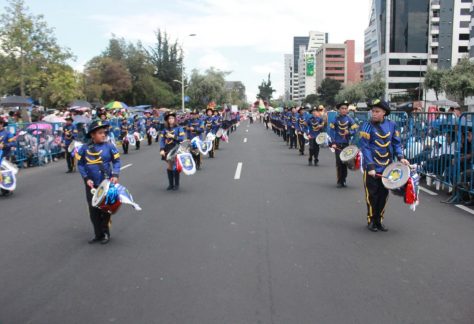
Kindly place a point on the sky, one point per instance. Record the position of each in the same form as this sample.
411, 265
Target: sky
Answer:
246, 37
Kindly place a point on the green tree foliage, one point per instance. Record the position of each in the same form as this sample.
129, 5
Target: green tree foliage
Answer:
353, 93
433, 80
207, 87
328, 90
312, 99
374, 88
236, 94
459, 81
167, 60
30, 58
106, 79
265, 90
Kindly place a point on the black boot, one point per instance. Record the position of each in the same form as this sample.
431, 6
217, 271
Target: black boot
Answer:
170, 180
310, 162
381, 227
176, 180
372, 227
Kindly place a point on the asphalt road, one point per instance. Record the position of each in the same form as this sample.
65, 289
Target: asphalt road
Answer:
279, 245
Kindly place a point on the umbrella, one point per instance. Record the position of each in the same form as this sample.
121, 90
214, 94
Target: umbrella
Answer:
80, 103
446, 102
79, 119
41, 126
15, 101
78, 108
54, 119
116, 105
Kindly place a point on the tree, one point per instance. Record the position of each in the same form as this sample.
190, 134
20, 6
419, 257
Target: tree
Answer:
312, 99
106, 79
167, 59
204, 88
63, 87
236, 93
265, 90
374, 88
459, 81
29, 50
433, 80
353, 93
328, 91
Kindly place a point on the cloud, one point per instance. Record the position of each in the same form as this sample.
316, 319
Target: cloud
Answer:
271, 67
214, 59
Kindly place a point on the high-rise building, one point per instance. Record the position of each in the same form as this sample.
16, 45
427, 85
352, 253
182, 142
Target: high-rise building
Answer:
337, 62
449, 32
288, 95
471, 28
298, 43
396, 43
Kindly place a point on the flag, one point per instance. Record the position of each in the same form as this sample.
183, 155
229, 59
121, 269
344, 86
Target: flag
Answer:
126, 197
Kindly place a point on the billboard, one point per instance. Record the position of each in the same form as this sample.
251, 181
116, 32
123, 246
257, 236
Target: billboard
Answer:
310, 65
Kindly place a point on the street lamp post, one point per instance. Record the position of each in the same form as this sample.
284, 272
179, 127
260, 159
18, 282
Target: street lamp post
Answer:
182, 74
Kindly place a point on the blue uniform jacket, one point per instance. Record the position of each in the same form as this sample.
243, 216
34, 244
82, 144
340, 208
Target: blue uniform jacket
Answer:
211, 124
315, 126
339, 126
198, 126
171, 136
69, 134
379, 143
90, 157
8, 141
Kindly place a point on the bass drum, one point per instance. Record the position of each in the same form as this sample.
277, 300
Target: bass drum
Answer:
131, 139
99, 198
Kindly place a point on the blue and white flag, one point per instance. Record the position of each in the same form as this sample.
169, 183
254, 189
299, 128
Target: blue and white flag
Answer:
126, 197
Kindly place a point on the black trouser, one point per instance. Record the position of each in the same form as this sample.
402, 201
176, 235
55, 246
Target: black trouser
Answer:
197, 160
313, 150
292, 138
69, 160
125, 147
341, 167
285, 135
100, 219
137, 144
149, 138
216, 142
376, 196
301, 143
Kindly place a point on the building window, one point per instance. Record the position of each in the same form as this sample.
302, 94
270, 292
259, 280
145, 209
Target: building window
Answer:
464, 24
466, 1
406, 74
464, 37
434, 50
465, 12
463, 49
403, 85
409, 27
407, 62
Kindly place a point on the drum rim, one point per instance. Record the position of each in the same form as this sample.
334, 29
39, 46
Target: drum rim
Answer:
352, 157
104, 185
403, 179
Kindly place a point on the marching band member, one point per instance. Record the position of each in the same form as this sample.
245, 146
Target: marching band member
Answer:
156, 122
341, 131
301, 126
315, 124
69, 135
284, 120
136, 128
292, 120
97, 161
379, 143
123, 135
210, 123
195, 128
217, 125
171, 136
7, 140
148, 125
